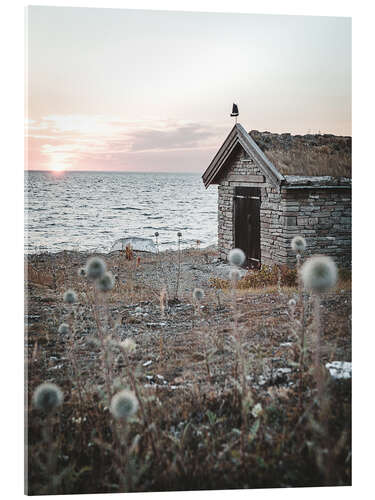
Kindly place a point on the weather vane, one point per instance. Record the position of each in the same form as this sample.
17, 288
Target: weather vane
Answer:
234, 111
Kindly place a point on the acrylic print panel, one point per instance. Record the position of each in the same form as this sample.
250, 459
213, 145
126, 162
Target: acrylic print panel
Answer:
160, 358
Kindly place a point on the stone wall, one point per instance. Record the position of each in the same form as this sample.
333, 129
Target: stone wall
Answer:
322, 216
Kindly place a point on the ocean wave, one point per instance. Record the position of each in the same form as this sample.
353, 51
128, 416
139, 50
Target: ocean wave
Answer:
75, 210
125, 208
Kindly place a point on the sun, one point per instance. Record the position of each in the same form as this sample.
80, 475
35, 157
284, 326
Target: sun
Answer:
58, 167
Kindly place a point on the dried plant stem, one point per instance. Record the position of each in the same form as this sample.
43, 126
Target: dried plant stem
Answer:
317, 319
299, 279
298, 266
302, 327
159, 265
218, 299
163, 301
133, 383
279, 282
206, 359
72, 356
51, 455
301, 301
107, 370
197, 308
240, 367
234, 306
121, 438
236, 336
243, 405
178, 267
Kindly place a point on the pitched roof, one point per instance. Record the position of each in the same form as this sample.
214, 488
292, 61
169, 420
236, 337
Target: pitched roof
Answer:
238, 135
282, 155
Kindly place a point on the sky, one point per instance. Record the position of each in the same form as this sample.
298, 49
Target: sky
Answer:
142, 90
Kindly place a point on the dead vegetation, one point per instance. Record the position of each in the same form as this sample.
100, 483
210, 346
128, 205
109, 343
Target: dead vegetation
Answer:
223, 407
310, 154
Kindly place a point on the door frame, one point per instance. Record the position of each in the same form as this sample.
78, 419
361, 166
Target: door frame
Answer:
248, 193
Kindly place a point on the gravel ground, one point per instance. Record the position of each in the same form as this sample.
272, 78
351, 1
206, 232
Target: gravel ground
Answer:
187, 364
170, 344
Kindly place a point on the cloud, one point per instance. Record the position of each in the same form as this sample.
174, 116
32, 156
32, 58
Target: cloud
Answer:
79, 142
191, 136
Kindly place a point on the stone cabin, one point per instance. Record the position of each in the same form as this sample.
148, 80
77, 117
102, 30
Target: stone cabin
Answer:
272, 187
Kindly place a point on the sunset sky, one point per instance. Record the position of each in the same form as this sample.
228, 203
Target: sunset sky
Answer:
112, 89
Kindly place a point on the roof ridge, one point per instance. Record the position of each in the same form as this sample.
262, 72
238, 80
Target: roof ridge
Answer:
238, 135
309, 134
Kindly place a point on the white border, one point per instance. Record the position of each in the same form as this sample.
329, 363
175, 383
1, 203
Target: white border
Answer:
12, 36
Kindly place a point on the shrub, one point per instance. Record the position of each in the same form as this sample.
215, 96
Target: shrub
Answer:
129, 252
265, 276
288, 276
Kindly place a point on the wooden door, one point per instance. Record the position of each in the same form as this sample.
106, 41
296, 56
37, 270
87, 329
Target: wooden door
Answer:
247, 223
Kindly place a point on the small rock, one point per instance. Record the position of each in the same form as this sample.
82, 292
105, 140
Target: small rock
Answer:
340, 369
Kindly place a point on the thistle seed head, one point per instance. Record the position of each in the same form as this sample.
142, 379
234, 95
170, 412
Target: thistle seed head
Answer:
319, 273
82, 272
124, 404
47, 397
95, 268
236, 257
298, 244
129, 345
70, 297
64, 329
106, 282
292, 303
257, 410
198, 294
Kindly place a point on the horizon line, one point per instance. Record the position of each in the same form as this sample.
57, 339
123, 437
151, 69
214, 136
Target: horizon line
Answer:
109, 171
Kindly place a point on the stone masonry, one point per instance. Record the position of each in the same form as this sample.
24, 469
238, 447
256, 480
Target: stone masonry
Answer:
322, 216
317, 208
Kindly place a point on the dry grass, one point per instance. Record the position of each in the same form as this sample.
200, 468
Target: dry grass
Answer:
311, 155
199, 380
38, 277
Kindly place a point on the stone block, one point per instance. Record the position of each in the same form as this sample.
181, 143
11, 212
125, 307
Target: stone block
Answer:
289, 221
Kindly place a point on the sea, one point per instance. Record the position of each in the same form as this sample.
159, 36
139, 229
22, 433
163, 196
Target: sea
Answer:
90, 211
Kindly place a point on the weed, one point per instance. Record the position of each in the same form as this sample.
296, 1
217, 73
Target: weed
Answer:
224, 404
